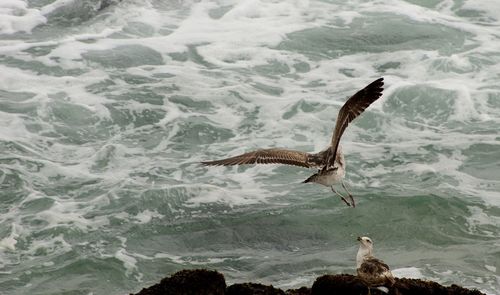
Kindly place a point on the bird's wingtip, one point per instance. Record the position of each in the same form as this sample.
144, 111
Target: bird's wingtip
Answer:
379, 80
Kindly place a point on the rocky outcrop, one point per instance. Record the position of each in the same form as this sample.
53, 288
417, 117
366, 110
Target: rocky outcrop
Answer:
209, 282
349, 284
189, 282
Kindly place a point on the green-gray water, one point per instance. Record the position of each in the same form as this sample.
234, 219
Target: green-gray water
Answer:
107, 108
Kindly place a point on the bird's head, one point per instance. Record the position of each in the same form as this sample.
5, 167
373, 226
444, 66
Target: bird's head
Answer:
365, 243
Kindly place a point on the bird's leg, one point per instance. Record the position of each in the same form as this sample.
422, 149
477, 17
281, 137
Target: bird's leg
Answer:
350, 195
341, 196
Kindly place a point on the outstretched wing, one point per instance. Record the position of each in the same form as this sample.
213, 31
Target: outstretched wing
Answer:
269, 156
353, 107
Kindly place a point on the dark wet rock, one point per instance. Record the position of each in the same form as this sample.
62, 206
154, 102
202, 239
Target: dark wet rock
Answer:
189, 282
349, 284
338, 284
207, 282
414, 287
300, 291
253, 289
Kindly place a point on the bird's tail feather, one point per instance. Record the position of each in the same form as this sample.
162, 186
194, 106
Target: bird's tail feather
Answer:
310, 179
383, 289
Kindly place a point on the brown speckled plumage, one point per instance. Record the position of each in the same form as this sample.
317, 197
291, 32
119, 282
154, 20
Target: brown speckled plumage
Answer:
330, 161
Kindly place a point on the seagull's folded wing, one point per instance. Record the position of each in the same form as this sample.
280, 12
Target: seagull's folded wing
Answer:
375, 271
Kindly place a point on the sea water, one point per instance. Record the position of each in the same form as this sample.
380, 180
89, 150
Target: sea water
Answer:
107, 108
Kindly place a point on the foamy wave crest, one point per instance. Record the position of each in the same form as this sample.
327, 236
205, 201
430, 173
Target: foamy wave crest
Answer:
15, 16
18, 16
107, 108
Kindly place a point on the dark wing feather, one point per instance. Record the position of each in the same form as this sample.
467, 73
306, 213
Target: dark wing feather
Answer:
268, 156
375, 272
353, 107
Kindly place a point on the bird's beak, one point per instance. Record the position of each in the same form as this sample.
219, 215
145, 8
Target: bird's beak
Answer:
359, 239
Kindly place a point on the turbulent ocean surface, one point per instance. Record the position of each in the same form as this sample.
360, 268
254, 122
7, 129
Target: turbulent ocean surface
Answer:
107, 108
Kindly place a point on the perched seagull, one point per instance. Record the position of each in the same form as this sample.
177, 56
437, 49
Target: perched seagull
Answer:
372, 271
330, 162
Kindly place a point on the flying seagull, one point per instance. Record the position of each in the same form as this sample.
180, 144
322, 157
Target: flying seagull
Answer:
372, 271
329, 162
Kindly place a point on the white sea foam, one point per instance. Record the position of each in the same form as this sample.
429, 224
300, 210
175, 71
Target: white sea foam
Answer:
487, 284
129, 262
16, 16
51, 246
481, 222
146, 216
488, 7
408, 272
174, 258
221, 55
9, 243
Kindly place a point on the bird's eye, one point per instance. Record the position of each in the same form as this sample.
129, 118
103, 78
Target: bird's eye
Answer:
369, 241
